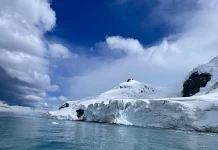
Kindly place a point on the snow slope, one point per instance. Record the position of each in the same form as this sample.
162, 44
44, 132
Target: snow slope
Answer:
127, 105
133, 90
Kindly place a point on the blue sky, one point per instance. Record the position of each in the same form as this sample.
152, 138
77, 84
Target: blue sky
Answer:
54, 51
85, 24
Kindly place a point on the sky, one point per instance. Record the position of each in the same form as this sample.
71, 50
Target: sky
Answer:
52, 51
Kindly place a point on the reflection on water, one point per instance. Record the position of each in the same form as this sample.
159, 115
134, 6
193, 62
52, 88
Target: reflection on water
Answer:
38, 133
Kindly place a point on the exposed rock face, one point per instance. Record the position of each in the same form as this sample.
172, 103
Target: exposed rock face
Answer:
129, 80
64, 106
79, 112
195, 81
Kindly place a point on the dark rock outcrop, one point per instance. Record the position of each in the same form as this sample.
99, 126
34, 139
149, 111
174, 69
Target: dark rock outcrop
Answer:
193, 84
64, 106
129, 80
79, 112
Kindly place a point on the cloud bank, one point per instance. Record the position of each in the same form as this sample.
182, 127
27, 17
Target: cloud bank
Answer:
24, 52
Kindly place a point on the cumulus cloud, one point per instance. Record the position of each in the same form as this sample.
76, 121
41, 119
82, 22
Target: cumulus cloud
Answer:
31, 13
25, 71
194, 42
129, 46
59, 51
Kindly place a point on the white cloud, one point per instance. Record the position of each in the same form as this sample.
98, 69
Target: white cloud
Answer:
33, 97
59, 51
129, 46
31, 12
62, 98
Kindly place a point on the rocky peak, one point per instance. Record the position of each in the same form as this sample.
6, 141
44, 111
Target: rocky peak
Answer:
129, 80
64, 105
195, 81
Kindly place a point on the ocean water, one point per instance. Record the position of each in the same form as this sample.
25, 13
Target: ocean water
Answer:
30, 133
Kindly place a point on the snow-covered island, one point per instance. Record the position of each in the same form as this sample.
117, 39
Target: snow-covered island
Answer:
134, 103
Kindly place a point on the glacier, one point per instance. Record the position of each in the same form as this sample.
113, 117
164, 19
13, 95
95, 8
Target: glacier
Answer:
139, 104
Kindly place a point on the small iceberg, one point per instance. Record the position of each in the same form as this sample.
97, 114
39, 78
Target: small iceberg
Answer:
54, 123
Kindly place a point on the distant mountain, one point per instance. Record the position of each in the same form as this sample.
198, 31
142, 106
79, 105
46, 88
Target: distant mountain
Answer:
132, 89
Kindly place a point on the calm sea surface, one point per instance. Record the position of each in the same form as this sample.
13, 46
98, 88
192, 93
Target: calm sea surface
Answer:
26, 133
